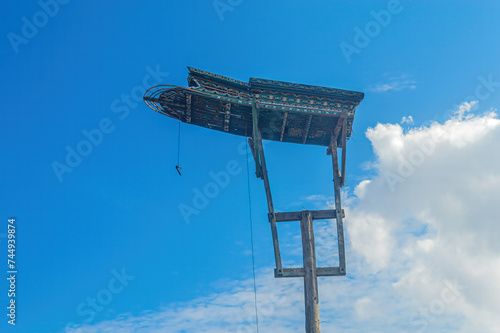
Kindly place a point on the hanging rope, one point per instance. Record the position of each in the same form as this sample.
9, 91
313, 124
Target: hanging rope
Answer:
177, 167
251, 238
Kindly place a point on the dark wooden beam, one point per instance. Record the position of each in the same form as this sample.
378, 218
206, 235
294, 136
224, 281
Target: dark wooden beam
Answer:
252, 148
227, 115
255, 122
300, 272
306, 132
259, 149
297, 216
336, 131
310, 277
344, 151
188, 108
173, 111
283, 126
338, 206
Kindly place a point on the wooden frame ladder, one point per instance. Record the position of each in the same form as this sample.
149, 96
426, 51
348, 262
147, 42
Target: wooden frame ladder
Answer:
309, 271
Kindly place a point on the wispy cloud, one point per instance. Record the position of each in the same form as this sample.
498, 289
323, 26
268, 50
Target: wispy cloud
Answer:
316, 197
407, 120
395, 83
464, 109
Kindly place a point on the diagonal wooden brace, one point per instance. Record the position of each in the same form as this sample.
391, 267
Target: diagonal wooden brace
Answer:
255, 135
258, 154
341, 126
337, 184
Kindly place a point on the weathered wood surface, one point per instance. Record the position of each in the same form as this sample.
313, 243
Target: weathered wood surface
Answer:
188, 108
335, 133
227, 116
306, 132
259, 149
290, 112
300, 272
344, 151
338, 205
283, 126
310, 277
255, 136
297, 216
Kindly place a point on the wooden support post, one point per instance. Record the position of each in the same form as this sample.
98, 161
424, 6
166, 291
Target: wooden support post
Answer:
310, 277
252, 149
283, 126
310, 272
270, 206
258, 152
306, 131
188, 108
335, 133
338, 205
255, 122
344, 150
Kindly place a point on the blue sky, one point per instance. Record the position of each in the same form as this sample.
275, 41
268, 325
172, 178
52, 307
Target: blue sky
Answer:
117, 210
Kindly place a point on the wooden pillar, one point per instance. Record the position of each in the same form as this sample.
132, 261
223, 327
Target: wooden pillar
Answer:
344, 150
310, 277
255, 136
338, 179
338, 208
270, 206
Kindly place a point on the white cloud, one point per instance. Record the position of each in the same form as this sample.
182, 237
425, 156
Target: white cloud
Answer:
316, 197
365, 308
465, 108
407, 120
422, 254
360, 190
395, 83
438, 217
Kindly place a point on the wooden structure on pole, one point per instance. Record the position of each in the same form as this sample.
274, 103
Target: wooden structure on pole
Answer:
279, 111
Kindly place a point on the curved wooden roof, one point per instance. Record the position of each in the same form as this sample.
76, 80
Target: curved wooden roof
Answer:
288, 112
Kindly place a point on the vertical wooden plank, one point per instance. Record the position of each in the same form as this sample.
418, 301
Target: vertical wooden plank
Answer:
283, 126
306, 132
344, 150
335, 132
310, 277
259, 152
252, 148
188, 108
338, 205
270, 206
255, 122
